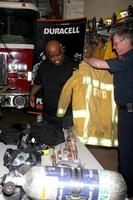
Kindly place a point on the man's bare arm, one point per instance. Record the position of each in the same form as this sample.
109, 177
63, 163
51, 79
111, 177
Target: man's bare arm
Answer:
97, 63
34, 90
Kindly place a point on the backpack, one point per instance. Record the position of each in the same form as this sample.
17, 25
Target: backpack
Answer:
39, 133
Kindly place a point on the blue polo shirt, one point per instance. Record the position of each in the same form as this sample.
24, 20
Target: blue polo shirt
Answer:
122, 70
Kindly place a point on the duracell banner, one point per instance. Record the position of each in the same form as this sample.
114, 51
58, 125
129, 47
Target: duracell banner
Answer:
70, 33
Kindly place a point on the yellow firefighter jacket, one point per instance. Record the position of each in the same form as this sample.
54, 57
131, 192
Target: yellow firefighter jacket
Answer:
94, 109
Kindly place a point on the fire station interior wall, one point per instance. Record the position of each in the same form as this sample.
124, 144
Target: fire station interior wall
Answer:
73, 8
104, 8
91, 8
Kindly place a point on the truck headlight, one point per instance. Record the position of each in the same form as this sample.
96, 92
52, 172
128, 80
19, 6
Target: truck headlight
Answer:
19, 101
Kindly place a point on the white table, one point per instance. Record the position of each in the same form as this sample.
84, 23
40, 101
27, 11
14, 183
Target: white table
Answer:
87, 159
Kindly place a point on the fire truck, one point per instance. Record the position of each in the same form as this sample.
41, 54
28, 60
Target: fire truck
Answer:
17, 21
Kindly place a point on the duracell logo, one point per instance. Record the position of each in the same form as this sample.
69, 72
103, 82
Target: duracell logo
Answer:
69, 30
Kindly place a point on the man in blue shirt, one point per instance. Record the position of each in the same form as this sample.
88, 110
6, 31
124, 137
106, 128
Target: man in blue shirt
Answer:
122, 70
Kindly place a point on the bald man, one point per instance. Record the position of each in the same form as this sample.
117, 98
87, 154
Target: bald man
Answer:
51, 76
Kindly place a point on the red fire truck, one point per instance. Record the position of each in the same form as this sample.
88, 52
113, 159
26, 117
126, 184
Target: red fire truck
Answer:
17, 21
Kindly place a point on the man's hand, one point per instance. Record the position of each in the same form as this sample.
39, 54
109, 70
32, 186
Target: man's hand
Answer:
32, 101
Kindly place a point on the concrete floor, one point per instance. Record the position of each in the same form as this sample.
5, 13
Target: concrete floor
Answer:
107, 157
11, 116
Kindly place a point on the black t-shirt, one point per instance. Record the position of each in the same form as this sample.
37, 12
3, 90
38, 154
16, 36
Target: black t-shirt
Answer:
122, 70
52, 78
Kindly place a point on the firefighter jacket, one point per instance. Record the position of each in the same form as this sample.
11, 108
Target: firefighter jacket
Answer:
94, 109
108, 53
104, 51
99, 50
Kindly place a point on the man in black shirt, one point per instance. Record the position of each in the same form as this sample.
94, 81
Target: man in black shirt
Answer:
50, 78
122, 70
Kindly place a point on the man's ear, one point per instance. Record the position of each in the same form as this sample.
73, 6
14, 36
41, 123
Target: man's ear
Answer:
62, 48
